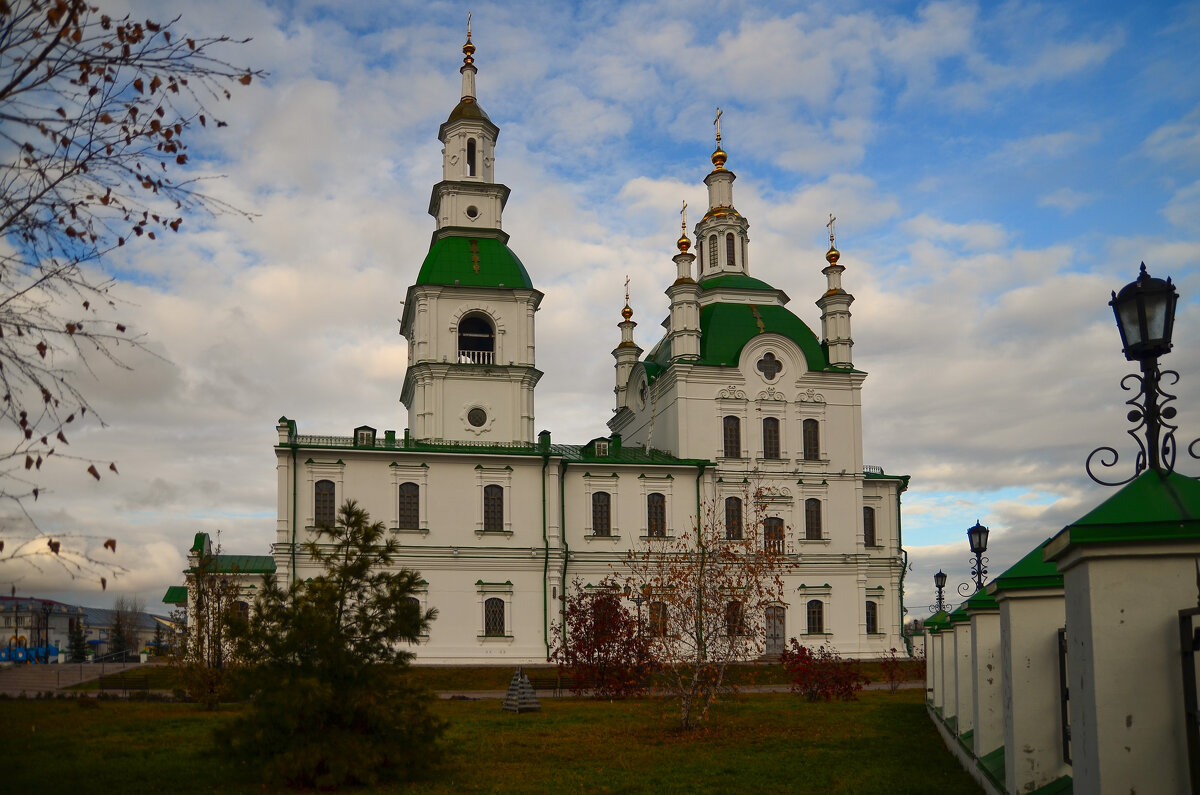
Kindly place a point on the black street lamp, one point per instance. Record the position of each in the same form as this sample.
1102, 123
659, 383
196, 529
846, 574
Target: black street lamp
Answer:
637, 597
939, 582
1145, 313
977, 537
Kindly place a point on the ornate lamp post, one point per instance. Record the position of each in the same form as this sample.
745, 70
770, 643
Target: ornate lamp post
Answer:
939, 582
1145, 313
977, 537
637, 597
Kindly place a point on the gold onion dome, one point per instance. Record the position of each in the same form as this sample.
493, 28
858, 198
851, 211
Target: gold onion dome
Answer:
626, 312
683, 243
719, 157
832, 255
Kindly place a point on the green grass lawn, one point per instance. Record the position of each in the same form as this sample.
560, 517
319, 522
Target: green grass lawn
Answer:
883, 743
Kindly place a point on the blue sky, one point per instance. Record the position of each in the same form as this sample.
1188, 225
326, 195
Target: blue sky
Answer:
996, 168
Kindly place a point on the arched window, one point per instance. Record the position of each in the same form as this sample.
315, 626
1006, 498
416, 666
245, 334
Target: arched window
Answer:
601, 513
733, 518
323, 507
816, 617
242, 610
712, 251
812, 519
410, 509
493, 617
658, 619
770, 437
476, 340
732, 432
729, 249
872, 618
656, 515
812, 440
773, 535
470, 157
868, 527
735, 618
493, 508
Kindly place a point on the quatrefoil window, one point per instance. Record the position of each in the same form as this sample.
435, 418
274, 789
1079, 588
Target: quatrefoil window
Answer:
769, 366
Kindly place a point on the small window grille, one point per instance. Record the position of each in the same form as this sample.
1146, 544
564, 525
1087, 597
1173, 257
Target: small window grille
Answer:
366, 438
493, 617
410, 506
729, 249
323, 507
656, 515
493, 508
601, 449
712, 252
601, 513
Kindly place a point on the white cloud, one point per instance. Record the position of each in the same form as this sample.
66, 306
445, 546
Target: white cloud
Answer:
1066, 199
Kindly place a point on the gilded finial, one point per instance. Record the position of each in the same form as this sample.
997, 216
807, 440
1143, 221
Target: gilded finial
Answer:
627, 312
683, 242
468, 48
833, 254
718, 157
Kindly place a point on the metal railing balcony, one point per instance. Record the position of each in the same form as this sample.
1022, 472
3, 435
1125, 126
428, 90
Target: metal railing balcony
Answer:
476, 357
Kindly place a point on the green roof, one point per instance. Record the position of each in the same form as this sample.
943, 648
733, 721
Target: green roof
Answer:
1031, 571
937, 621
959, 615
175, 595
981, 601
242, 564
735, 281
1155, 506
198, 542
473, 262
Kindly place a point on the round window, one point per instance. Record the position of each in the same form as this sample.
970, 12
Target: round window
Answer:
472, 211
477, 417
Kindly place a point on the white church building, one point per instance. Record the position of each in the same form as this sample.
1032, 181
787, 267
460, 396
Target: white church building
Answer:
499, 519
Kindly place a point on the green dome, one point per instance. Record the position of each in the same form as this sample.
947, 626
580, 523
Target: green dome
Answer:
735, 281
473, 262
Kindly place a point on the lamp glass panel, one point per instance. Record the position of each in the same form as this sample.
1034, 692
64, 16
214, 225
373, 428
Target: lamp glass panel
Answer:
1130, 324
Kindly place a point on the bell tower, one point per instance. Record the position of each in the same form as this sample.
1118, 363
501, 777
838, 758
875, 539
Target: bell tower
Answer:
469, 318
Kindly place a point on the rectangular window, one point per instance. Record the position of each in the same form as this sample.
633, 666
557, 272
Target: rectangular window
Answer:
493, 509
732, 432
872, 618
323, 503
735, 618
601, 513
869, 527
656, 515
812, 520
812, 440
601, 449
410, 506
770, 438
733, 518
493, 617
658, 619
773, 535
816, 617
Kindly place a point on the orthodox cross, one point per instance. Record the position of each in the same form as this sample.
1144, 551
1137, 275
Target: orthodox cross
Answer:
717, 122
627, 291
475, 255
468, 26
683, 217
830, 225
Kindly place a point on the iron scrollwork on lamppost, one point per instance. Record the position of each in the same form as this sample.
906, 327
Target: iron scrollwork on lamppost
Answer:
939, 582
977, 537
1145, 313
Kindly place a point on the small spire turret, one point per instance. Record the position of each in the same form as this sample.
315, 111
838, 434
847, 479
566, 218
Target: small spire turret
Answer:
835, 307
468, 69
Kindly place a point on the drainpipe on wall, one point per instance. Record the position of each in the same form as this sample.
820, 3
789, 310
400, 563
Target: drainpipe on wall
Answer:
904, 570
